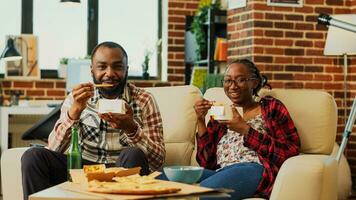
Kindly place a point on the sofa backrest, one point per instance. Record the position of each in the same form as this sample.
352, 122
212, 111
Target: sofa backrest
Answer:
179, 121
314, 114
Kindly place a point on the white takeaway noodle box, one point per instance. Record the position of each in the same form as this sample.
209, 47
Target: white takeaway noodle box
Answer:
223, 112
111, 105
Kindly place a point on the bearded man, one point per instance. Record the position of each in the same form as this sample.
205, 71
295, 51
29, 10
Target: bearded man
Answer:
132, 139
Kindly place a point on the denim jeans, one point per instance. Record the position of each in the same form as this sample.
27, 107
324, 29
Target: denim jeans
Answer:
43, 168
243, 178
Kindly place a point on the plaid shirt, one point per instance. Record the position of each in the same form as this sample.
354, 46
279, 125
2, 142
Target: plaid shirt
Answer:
101, 143
273, 148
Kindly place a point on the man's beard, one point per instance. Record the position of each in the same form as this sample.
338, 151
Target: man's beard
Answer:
116, 91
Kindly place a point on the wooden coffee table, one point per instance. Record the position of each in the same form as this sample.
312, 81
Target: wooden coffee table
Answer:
70, 191
57, 193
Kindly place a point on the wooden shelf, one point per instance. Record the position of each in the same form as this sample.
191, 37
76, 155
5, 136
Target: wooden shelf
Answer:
214, 27
201, 61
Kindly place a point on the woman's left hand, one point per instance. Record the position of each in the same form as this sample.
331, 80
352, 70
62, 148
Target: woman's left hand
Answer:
237, 123
121, 121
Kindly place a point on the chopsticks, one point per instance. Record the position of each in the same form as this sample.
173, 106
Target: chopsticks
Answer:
102, 85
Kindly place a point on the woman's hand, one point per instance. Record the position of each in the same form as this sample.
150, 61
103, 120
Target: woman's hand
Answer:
201, 108
237, 123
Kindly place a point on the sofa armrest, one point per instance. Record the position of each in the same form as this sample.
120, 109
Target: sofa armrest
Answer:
344, 182
11, 176
305, 176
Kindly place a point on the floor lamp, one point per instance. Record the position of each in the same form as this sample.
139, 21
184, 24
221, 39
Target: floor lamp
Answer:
342, 42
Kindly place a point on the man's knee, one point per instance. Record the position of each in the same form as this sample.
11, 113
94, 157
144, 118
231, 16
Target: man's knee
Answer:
132, 153
32, 156
133, 157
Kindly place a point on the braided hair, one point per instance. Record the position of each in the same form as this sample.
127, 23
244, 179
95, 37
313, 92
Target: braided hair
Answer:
263, 80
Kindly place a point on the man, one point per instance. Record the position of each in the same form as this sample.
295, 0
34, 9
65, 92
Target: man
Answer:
125, 140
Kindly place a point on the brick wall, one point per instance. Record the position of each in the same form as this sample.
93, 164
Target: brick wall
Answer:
53, 89
177, 10
47, 89
240, 32
287, 45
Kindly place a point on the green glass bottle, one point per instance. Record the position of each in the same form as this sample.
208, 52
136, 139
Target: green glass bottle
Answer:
74, 156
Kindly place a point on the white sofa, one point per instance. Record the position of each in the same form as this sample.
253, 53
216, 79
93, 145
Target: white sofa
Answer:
312, 175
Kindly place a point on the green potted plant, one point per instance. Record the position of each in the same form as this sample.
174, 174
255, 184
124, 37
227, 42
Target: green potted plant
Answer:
62, 71
145, 65
63, 61
197, 26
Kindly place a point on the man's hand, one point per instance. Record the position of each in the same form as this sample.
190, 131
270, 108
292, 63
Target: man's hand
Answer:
81, 94
237, 123
201, 108
121, 121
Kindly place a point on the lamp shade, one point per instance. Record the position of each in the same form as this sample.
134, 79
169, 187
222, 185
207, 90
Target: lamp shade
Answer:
72, 1
10, 53
340, 41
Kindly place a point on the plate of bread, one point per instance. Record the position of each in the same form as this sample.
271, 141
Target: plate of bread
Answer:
118, 180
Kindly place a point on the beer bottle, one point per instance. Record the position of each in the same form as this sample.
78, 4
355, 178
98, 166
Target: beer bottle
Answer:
74, 156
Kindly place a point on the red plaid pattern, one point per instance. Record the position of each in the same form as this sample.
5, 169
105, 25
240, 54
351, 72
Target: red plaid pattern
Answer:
101, 143
280, 142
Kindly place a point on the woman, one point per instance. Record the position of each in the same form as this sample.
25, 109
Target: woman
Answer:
246, 152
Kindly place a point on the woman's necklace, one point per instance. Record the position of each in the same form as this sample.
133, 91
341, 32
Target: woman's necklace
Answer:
251, 111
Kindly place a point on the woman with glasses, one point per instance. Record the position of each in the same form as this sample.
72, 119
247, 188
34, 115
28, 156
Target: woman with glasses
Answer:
245, 153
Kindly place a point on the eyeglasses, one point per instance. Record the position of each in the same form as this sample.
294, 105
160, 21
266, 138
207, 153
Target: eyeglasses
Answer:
240, 81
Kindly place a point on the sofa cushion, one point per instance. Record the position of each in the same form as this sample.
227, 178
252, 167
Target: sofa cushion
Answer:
317, 130
178, 153
179, 120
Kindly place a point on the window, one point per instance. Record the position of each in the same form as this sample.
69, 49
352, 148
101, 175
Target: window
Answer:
61, 31
134, 25
9, 9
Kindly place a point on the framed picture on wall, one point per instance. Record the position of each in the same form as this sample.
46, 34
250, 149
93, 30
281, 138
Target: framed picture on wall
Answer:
27, 67
286, 3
